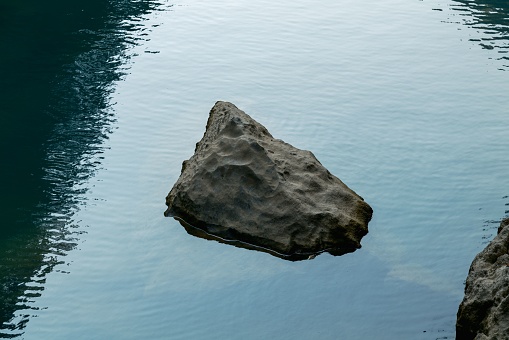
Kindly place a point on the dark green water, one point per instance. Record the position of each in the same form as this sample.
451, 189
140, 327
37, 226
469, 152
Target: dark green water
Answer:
433, 140
492, 19
58, 63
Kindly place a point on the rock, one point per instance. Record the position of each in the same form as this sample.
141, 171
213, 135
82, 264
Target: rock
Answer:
484, 311
246, 188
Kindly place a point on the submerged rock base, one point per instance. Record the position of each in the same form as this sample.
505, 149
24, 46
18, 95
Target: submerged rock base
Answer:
484, 312
246, 188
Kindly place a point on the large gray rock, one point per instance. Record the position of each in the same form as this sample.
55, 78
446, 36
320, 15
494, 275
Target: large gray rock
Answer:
244, 187
484, 312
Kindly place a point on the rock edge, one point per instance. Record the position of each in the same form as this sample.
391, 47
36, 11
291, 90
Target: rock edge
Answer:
484, 312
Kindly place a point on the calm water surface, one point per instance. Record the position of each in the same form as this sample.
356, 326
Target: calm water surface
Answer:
405, 101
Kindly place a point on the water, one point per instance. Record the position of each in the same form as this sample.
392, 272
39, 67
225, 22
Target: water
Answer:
405, 101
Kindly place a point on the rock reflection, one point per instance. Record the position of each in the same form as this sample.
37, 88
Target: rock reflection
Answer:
491, 19
59, 64
197, 232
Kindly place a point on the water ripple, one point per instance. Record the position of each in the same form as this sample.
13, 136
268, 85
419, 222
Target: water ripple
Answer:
489, 20
79, 110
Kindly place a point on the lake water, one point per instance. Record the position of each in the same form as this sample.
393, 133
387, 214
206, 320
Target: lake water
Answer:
405, 100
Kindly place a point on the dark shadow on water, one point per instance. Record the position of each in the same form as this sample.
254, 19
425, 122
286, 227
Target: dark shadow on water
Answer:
490, 19
197, 232
59, 62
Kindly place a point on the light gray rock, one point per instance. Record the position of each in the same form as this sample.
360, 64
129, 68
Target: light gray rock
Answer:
246, 188
484, 311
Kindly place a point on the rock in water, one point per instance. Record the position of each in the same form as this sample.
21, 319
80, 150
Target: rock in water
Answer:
244, 187
484, 311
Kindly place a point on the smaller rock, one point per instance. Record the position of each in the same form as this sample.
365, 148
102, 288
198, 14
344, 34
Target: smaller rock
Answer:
484, 311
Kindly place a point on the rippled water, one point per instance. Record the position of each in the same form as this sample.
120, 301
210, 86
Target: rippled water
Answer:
405, 101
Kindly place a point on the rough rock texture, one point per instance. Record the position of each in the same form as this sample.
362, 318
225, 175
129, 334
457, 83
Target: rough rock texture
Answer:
244, 187
484, 312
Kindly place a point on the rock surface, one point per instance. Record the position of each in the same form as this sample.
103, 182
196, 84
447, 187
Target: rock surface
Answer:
246, 188
484, 311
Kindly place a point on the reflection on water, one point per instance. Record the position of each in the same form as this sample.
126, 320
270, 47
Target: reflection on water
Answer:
191, 230
490, 19
59, 61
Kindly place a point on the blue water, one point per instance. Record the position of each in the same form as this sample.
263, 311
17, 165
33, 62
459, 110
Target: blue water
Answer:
405, 101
